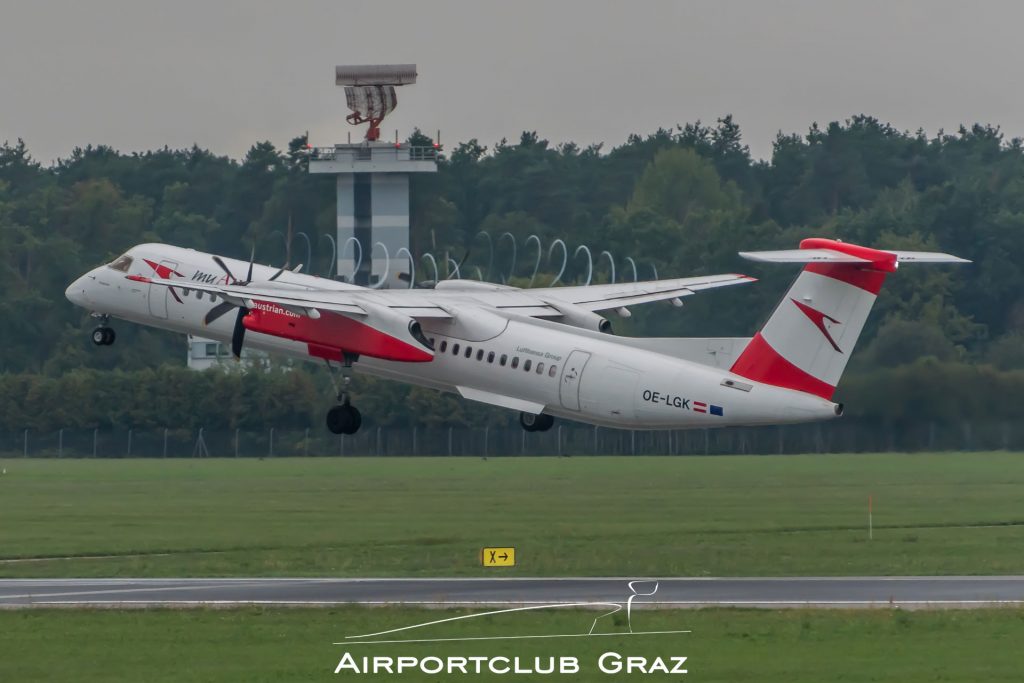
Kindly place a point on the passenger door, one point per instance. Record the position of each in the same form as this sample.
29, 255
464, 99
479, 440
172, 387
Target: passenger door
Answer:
572, 371
158, 295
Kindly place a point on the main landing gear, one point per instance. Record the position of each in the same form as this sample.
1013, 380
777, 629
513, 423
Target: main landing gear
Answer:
103, 335
343, 418
536, 423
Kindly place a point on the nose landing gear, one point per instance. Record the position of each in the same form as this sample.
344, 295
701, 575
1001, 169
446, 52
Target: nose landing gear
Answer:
103, 336
343, 418
536, 423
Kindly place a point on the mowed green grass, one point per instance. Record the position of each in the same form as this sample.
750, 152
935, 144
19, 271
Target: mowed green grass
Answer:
960, 513
724, 645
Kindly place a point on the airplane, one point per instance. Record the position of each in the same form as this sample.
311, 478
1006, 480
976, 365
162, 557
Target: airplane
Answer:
544, 352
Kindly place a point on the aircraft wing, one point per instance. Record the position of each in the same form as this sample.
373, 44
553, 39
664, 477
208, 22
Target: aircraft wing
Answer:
604, 297
297, 300
439, 303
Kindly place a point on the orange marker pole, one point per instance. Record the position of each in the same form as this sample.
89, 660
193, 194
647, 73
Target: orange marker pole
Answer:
871, 522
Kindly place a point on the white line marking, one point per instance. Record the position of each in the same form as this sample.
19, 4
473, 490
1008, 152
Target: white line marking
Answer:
495, 603
505, 579
117, 591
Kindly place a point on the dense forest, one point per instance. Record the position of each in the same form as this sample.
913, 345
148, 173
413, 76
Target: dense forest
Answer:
679, 201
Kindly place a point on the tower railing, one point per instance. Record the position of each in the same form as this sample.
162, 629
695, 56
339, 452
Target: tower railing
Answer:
361, 152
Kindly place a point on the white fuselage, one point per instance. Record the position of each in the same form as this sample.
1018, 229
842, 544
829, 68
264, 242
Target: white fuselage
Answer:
512, 361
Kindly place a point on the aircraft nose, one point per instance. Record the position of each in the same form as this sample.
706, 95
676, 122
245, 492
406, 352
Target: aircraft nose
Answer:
76, 292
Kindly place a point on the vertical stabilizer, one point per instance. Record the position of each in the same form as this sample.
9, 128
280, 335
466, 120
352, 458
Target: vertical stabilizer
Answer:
808, 339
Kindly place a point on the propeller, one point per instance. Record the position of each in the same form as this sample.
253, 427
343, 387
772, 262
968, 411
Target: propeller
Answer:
238, 334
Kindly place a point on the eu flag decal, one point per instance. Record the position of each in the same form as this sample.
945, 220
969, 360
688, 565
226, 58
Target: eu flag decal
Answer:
716, 410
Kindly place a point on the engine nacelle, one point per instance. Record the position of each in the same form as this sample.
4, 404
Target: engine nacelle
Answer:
382, 333
577, 316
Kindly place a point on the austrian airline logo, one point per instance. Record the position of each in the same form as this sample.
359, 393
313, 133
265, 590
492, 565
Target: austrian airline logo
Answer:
162, 271
819, 318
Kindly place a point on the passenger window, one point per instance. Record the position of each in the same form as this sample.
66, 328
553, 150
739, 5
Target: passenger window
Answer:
540, 368
527, 364
469, 351
504, 359
480, 354
199, 294
444, 346
490, 357
552, 371
515, 362
431, 342
455, 349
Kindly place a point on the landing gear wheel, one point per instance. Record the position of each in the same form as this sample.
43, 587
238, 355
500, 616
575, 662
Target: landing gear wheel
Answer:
103, 336
536, 423
344, 419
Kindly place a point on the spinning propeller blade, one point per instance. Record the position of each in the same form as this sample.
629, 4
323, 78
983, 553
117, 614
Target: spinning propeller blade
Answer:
238, 334
217, 311
252, 259
224, 267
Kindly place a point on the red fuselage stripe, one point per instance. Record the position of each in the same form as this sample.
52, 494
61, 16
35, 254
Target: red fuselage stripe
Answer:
761, 363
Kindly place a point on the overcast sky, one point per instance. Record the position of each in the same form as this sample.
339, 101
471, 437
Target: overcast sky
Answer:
139, 75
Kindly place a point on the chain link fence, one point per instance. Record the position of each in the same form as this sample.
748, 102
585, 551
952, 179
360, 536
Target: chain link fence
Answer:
564, 439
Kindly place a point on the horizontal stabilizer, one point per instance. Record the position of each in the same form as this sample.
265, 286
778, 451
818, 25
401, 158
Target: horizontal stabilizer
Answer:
802, 256
927, 257
833, 256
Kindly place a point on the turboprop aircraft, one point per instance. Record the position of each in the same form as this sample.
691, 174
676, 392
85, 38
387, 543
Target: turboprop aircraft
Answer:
545, 352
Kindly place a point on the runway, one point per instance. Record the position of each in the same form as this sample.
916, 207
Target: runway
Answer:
838, 592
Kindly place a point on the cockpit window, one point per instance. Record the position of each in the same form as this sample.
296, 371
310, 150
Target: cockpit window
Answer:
122, 263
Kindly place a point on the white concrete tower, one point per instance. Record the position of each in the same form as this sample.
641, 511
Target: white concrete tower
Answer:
373, 179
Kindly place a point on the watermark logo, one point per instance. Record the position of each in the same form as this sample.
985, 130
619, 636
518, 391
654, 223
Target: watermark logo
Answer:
608, 662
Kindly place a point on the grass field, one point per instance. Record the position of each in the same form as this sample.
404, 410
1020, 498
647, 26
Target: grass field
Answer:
724, 645
779, 515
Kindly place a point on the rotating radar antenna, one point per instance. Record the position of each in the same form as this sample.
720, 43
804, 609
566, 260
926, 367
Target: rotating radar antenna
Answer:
370, 92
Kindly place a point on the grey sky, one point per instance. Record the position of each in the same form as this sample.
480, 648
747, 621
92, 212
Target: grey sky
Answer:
139, 75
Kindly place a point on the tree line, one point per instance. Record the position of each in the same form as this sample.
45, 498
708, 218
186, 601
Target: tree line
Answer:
926, 390
679, 201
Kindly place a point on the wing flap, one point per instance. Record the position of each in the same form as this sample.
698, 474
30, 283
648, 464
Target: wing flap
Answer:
501, 400
604, 297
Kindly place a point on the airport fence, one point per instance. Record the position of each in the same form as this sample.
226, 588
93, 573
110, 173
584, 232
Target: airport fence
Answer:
566, 439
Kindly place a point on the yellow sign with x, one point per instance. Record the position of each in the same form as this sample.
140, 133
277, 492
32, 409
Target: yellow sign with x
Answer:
498, 557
